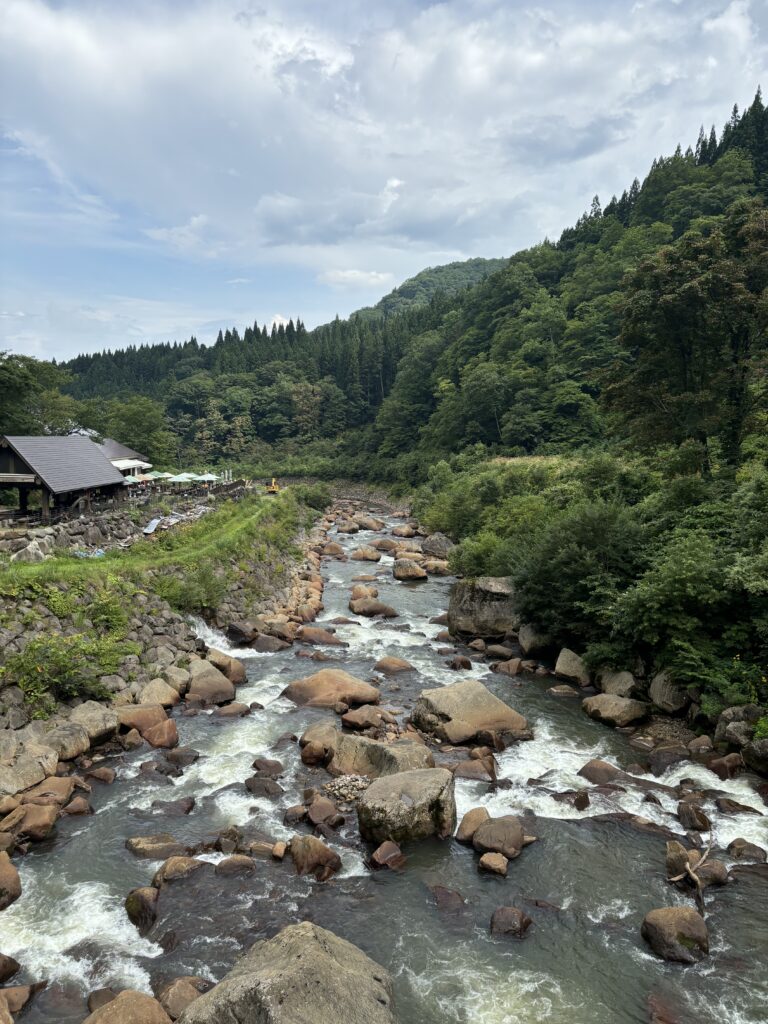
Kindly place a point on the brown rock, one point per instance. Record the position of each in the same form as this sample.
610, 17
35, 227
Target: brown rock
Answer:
388, 855
391, 666
511, 922
155, 847
174, 869
130, 1007
164, 734
508, 668
52, 791
141, 907
676, 933
8, 967
329, 686
10, 883
180, 993
493, 863
78, 806
692, 817
500, 835
38, 821
316, 635
140, 716
237, 864
311, 856
102, 774
470, 823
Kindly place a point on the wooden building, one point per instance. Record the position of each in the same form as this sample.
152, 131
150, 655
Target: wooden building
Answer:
129, 462
65, 470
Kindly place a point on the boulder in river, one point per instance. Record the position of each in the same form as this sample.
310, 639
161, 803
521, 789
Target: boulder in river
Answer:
742, 849
328, 687
483, 607
390, 666
409, 805
570, 665
157, 691
141, 907
208, 685
155, 847
130, 1007
503, 835
619, 684
366, 554
470, 823
510, 922
371, 607
311, 856
304, 973
8, 967
232, 668
361, 755
676, 933
10, 883
460, 712
407, 569
317, 635
619, 711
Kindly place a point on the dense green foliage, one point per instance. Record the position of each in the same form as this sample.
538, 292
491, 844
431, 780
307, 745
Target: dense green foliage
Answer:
448, 279
640, 563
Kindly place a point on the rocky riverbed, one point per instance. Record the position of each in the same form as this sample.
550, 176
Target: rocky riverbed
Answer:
498, 853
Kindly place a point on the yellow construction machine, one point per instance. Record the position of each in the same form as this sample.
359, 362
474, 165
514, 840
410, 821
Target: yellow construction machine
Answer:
274, 487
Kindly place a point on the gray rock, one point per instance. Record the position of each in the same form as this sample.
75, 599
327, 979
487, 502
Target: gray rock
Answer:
457, 713
304, 974
531, 640
409, 805
99, 722
483, 607
618, 711
756, 755
618, 684
667, 695
437, 545
571, 666
69, 740
360, 755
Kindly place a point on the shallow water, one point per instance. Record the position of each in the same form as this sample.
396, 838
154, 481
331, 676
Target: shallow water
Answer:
583, 961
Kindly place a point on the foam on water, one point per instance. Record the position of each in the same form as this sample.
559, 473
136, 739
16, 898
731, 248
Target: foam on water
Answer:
86, 913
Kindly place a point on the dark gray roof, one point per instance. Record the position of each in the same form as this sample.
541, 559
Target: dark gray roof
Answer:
114, 450
72, 463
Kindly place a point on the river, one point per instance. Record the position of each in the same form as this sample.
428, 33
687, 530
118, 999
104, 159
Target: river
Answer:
582, 962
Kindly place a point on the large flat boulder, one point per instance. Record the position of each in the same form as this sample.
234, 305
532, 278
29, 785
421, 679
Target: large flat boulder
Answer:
483, 607
100, 722
457, 713
360, 755
409, 805
329, 686
304, 975
619, 711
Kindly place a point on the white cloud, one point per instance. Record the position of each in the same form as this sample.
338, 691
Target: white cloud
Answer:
267, 138
239, 280
355, 278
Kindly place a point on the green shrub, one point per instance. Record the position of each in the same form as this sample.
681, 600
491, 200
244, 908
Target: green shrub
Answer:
53, 667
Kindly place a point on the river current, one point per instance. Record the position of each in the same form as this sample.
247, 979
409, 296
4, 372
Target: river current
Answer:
586, 883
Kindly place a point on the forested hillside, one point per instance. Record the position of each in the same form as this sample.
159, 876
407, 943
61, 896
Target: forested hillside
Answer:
629, 358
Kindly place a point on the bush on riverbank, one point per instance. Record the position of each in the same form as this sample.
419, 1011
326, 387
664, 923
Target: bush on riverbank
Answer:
646, 561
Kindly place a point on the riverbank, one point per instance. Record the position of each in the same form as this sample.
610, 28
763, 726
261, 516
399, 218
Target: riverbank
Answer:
243, 801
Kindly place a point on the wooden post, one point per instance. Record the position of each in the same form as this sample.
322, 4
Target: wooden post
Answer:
23, 500
45, 506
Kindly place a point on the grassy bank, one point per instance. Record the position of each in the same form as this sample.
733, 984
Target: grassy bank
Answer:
75, 615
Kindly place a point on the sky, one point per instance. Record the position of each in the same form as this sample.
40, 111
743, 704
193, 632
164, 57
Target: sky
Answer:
170, 167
